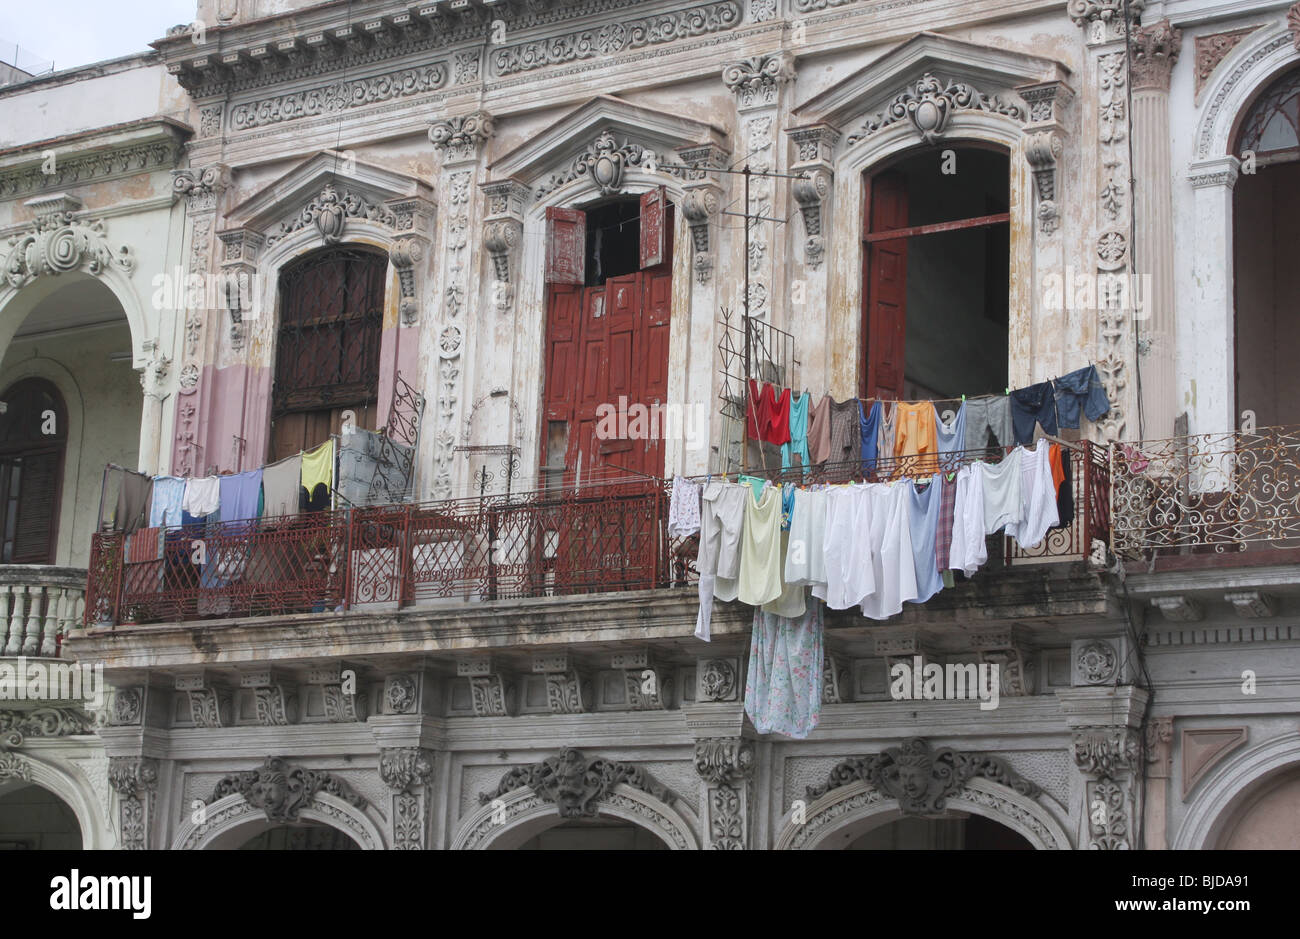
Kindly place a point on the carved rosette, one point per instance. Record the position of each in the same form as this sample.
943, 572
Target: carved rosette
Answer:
1096, 663
577, 785
282, 790
1155, 51
135, 780
401, 693
726, 764
717, 680
59, 242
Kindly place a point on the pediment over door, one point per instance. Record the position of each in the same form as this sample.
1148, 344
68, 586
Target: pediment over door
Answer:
326, 193
928, 79
603, 139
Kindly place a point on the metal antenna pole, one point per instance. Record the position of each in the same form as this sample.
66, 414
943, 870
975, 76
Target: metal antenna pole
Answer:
744, 322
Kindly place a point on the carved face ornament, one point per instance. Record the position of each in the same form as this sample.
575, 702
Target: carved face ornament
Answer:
330, 216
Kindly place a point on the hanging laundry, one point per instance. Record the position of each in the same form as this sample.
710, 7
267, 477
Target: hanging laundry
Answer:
923, 507
951, 438
846, 554
805, 556
1063, 469
969, 549
318, 468
760, 549
888, 424
791, 601
684, 508
133, 502
846, 431
787, 507
989, 415
893, 563
166, 505
1038, 495
1080, 390
768, 414
1034, 404
239, 495
783, 688
798, 443
282, 485
915, 434
943, 531
1001, 484
202, 495
722, 514
819, 431
870, 436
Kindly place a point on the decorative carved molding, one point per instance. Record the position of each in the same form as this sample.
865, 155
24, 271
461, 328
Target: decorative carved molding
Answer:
1007, 650
1210, 51
489, 696
404, 769
401, 693
837, 685
337, 97
605, 160
1204, 748
458, 138
724, 759
329, 212
282, 790
1114, 345
58, 243
616, 37
75, 170
929, 105
699, 205
13, 766
1042, 151
503, 236
135, 780
810, 193
575, 784
340, 707
1159, 749
16, 725
1155, 50
405, 254
921, 777
210, 701
1106, 751
201, 186
1104, 19
275, 697
756, 81
128, 707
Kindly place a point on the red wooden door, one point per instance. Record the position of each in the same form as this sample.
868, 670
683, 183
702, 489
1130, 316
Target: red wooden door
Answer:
884, 280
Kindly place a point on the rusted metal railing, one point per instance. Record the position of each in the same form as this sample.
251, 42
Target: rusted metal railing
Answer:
1206, 494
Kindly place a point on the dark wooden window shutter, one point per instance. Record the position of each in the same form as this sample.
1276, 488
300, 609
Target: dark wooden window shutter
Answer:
885, 278
654, 206
38, 489
566, 245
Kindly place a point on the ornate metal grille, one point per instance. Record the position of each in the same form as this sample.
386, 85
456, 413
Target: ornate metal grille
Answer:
331, 318
1273, 123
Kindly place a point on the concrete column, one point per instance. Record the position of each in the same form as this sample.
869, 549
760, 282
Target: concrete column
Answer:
1155, 50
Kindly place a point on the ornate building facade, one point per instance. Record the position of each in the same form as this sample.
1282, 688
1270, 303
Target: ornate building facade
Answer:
525, 197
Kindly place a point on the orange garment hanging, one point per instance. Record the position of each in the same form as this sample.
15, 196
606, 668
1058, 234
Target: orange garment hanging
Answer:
916, 434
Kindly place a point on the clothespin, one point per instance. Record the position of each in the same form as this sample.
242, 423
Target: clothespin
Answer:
963, 399
1008, 391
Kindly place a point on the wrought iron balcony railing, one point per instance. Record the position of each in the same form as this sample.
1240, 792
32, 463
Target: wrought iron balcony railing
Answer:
1209, 494
601, 539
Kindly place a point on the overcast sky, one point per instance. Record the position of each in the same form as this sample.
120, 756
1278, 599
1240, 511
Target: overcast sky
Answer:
78, 32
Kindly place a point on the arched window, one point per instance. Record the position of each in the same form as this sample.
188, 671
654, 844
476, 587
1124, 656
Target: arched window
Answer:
33, 436
327, 346
1272, 125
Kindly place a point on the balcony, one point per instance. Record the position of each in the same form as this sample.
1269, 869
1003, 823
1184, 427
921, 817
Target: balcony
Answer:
601, 540
38, 605
1211, 500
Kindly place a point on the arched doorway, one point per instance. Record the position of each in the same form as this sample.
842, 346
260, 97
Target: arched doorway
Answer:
598, 834
34, 819
936, 274
71, 355
33, 435
311, 837
1266, 816
954, 832
1265, 238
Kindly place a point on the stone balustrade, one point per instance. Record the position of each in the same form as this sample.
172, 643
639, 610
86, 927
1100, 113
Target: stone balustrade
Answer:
38, 603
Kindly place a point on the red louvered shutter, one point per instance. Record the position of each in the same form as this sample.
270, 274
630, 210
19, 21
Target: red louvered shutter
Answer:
885, 279
566, 245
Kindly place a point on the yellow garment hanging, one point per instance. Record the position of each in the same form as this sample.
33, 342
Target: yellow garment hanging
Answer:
318, 467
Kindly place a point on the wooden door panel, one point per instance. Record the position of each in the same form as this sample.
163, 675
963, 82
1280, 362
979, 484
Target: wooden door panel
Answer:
566, 245
885, 281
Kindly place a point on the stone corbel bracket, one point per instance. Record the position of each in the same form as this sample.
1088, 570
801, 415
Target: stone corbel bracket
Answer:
701, 202
1045, 133
814, 145
209, 699
459, 138
275, 695
503, 236
341, 694
240, 250
1011, 652
644, 682
413, 222
492, 694
568, 689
